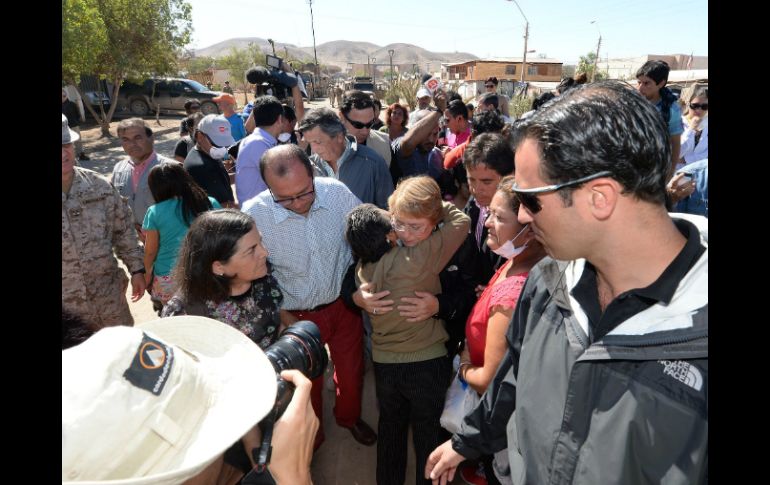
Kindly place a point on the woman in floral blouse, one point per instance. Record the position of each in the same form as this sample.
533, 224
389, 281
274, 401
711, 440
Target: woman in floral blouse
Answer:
222, 273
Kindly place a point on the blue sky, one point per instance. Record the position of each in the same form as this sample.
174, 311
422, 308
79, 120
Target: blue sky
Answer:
560, 29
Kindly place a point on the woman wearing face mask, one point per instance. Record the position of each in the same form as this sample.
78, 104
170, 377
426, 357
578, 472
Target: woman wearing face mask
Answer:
488, 320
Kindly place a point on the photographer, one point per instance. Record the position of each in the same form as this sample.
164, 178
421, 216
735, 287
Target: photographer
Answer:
161, 402
280, 78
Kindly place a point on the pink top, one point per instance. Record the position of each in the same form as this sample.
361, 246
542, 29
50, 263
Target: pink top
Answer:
139, 169
453, 140
503, 295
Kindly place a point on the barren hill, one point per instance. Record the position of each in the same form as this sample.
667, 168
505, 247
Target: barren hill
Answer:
342, 52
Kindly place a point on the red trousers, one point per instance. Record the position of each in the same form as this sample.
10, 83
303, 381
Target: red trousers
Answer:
342, 329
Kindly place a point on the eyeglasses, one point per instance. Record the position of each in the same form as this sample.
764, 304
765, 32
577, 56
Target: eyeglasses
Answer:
399, 226
489, 86
290, 200
703, 106
528, 197
358, 125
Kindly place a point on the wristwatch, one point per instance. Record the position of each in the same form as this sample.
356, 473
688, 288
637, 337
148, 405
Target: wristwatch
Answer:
139, 271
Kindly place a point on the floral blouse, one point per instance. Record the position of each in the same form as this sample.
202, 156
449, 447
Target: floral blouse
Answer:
255, 313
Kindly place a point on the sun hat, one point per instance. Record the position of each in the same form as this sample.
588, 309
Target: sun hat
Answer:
159, 402
67, 135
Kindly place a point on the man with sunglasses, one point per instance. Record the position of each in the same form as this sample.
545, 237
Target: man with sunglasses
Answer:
358, 114
302, 222
605, 379
341, 156
213, 131
490, 87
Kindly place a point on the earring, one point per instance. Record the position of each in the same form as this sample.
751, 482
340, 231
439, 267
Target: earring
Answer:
220, 274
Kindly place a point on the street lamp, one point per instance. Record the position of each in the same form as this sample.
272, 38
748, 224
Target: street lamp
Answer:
526, 38
390, 53
598, 44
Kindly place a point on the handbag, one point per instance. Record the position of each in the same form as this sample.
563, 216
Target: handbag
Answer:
460, 400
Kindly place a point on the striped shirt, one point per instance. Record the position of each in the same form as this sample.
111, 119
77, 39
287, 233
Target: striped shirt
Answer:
309, 255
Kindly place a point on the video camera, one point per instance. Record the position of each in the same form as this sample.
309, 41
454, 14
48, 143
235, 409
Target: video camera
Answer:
299, 347
272, 77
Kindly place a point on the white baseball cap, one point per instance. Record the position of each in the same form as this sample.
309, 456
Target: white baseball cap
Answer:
158, 403
422, 92
218, 128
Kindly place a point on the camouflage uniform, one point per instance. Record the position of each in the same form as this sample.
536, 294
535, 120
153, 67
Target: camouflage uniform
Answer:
94, 220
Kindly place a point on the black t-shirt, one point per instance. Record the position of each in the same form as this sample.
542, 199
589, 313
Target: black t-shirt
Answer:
71, 111
183, 147
210, 174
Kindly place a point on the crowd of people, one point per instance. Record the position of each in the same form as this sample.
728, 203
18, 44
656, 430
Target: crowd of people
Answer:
561, 258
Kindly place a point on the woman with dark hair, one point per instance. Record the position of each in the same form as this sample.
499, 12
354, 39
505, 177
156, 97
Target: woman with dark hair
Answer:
488, 321
396, 117
222, 273
178, 201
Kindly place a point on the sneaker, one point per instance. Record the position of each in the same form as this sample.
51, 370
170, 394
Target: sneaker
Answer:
473, 474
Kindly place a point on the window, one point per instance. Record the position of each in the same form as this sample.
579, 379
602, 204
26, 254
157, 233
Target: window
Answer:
531, 70
509, 69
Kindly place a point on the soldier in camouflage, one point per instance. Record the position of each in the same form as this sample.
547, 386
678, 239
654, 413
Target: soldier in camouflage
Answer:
95, 219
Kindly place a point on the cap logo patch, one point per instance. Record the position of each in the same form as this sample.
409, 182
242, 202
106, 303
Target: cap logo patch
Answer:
151, 365
221, 129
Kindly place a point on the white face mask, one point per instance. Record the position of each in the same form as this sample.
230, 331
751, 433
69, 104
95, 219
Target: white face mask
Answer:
508, 250
284, 137
218, 153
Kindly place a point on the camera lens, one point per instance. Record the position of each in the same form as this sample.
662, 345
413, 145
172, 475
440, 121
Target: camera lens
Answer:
299, 347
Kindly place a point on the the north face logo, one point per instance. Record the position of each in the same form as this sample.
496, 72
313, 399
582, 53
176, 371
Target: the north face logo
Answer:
684, 372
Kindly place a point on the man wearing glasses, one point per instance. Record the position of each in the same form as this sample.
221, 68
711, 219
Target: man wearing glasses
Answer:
302, 222
341, 156
357, 112
490, 87
606, 376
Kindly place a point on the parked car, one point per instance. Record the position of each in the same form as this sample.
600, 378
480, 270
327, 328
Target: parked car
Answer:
170, 94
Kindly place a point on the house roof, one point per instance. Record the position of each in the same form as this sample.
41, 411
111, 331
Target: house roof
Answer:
508, 60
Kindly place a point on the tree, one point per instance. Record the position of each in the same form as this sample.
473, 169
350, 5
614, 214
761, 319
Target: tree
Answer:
133, 37
238, 61
586, 65
201, 64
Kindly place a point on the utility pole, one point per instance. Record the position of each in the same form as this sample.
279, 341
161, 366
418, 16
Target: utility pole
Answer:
391, 52
598, 44
315, 54
374, 71
526, 38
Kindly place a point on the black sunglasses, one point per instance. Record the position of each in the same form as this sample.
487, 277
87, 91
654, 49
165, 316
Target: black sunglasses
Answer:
358, 125
489, 86
290, 200
703, 106
528, 197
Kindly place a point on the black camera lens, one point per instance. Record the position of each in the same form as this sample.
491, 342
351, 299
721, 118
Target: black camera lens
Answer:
299, 347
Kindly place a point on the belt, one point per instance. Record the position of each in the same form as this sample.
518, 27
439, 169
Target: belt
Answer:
318, 308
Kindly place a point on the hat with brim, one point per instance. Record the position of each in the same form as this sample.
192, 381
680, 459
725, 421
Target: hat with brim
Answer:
218, 128
422, 92
158, 403
67, 135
